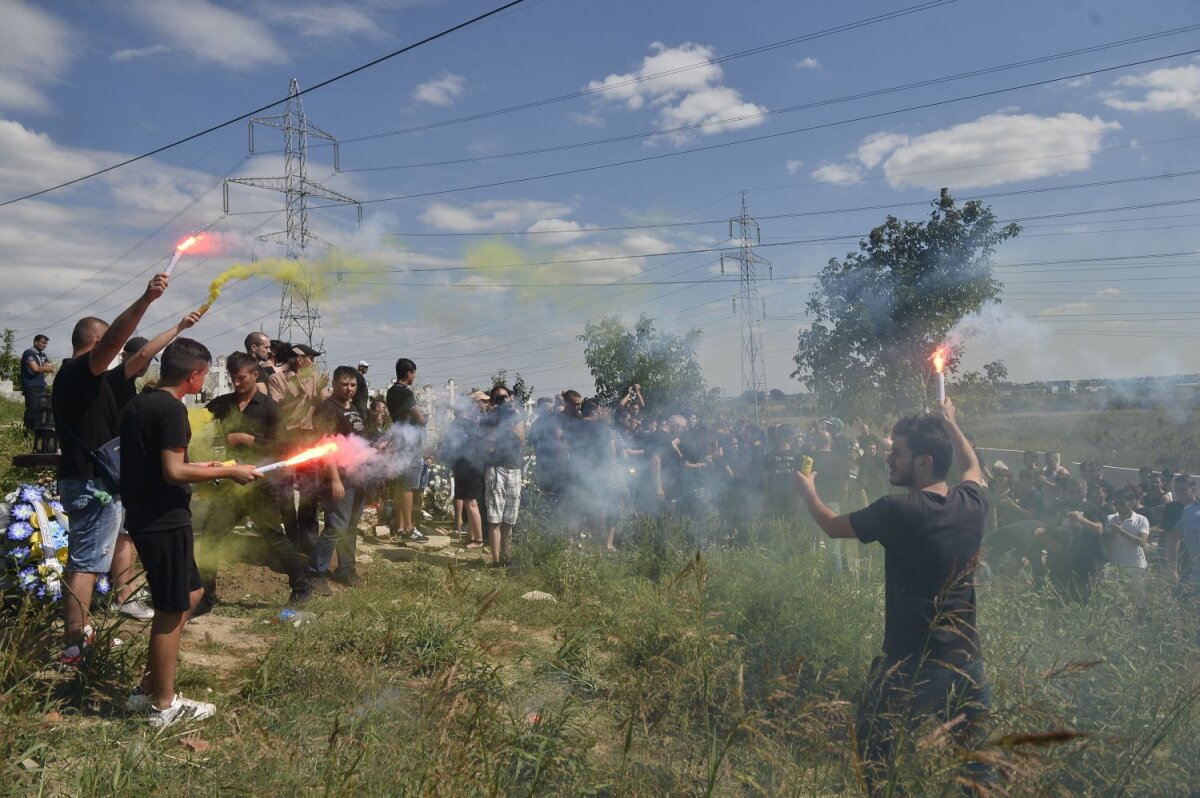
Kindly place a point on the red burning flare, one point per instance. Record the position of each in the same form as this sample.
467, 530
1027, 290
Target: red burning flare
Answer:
314, 453
188, 243
939, 359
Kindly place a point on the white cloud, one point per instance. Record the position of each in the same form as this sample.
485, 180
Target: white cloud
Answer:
557, 231
35, 50
1109, 292
1001, 147
134, 53
840, 174
1068, 309
877, 146
808, 62
586, 120
480, 217
1080, 82
1171, 89
793, 167
315, 21
690, 95
442, 90
211, 33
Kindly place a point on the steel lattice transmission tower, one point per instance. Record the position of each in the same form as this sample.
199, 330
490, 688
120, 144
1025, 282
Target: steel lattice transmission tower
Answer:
750, 305
299, 316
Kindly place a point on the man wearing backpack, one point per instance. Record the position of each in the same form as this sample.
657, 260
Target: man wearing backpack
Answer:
86, 419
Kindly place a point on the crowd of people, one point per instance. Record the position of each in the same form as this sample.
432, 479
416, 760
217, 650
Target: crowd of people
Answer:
125, 479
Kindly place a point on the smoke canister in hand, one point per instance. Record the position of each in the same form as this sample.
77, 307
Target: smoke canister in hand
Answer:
806, 465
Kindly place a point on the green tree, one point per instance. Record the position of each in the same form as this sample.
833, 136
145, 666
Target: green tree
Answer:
879, 313
10, 362
664, 364
978, 393
518, 389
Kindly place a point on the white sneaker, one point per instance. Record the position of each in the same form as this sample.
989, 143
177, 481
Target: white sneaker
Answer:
138, 702
182, 710
135, 608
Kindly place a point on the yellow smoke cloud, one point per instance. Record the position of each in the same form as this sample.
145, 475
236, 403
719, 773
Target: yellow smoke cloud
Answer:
318, 275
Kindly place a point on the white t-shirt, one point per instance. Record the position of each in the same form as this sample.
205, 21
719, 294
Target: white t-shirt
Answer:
1123, 551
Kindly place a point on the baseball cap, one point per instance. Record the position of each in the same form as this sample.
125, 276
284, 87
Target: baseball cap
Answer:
304, 350
135, 344
836, 425
364, 364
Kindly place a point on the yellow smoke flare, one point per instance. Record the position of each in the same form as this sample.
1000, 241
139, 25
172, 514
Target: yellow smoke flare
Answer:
317, 275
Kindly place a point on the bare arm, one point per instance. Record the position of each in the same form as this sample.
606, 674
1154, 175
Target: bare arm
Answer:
964, 453
179, 472
140, 359
1141, 539
123, 326
519, 429
38, 368
832, 524
418, 416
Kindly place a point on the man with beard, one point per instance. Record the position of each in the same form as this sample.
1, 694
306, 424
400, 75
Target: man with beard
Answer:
932, 663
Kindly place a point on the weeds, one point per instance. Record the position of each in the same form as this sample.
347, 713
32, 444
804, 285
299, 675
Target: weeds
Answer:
659, 671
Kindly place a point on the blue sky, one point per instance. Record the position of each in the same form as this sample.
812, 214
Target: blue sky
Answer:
85, 84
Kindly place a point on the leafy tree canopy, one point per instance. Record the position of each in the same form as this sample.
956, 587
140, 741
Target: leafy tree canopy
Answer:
879, 313
664, 364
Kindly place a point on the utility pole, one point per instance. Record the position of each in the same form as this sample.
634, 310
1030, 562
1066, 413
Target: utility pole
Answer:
750, 305
299, 316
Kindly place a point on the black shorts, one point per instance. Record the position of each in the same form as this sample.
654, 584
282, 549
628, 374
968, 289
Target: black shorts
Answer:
170, 564
468, 484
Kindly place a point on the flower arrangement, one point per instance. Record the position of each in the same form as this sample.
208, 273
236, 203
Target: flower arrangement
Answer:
34, 542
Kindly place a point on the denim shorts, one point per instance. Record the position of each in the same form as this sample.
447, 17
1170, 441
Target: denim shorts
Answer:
93, 526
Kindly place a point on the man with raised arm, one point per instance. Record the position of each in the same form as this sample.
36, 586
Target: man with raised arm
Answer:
86, 418
931, 663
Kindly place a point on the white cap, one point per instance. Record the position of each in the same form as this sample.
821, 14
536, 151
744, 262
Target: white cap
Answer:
364, 363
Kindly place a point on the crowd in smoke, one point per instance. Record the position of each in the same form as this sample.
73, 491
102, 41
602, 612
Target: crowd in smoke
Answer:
303, 455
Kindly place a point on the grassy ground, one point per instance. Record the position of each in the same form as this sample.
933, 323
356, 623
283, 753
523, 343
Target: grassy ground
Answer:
653, 672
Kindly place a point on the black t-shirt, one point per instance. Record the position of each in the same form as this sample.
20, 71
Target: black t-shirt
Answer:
124, 389
29, 378
832, 475
362, 396
1171, 513
261, 418
931, 544
500, 424
400, 403
333, 419
85, 404
781, 475
154, 422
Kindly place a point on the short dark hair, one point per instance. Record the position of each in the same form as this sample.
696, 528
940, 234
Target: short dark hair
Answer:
280, 350
500, 387
83, 328
345, 371
590, 406
181, 357
1125, 495
41, 337
404, 367
238, 361
571, 396
927, 435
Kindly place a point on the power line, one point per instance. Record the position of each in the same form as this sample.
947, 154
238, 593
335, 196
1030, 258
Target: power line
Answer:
771, 136
770, 112
653, 76
268, 106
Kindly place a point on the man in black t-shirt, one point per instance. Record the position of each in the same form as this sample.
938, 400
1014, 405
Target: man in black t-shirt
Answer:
86, 418
1074, 529
156, 482
931, 663
35, 365
250, 425
410, 420
341, 494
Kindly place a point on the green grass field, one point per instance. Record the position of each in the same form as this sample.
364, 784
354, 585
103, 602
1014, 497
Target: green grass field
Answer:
655, 672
